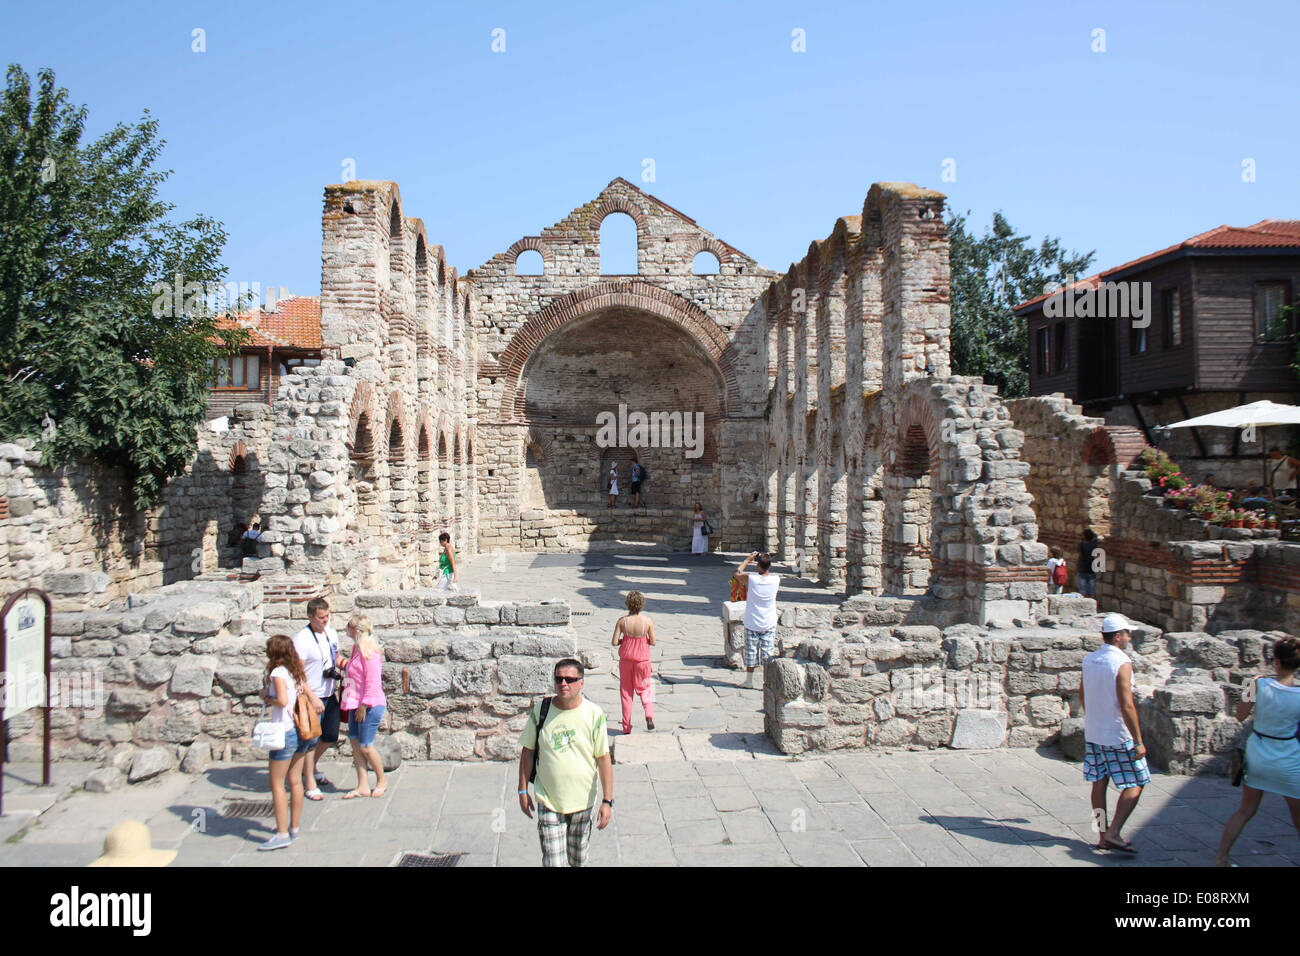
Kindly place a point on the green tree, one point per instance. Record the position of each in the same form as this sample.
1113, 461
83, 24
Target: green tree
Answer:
991, 275
88, 366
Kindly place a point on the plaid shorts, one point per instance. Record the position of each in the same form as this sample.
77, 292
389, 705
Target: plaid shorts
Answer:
564, 836
1120, 764
759, 646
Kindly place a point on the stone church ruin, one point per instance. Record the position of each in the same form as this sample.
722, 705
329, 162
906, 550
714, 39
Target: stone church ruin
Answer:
831, 432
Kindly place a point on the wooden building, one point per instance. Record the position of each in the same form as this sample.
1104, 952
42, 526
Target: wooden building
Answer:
1190, 329
281, 340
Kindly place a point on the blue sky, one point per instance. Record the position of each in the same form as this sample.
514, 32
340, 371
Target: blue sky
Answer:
1122, 151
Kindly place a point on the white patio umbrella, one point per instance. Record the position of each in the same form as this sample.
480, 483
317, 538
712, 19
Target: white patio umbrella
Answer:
1258, 414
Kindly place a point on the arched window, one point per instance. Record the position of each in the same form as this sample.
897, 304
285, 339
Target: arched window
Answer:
530, 263
706, 264
618, 245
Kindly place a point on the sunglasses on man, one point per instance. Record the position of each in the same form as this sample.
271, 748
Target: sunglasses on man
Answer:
566, 680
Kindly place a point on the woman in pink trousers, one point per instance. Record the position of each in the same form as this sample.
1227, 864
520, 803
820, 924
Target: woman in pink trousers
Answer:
634, 635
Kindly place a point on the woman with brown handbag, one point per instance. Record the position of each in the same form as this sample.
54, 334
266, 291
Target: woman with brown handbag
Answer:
285, 689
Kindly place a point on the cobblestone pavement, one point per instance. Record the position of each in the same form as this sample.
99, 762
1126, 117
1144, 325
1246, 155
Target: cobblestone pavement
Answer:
706, 788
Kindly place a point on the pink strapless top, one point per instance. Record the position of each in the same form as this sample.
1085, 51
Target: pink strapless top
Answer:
634, 648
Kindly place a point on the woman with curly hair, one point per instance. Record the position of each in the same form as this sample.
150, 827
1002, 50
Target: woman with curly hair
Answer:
634, 635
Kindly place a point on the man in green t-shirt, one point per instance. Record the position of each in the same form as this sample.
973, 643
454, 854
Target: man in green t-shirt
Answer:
572, 751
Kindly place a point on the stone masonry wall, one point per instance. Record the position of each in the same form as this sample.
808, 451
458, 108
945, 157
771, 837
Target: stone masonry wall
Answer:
840, 684
182, 667
74, 530
702, 328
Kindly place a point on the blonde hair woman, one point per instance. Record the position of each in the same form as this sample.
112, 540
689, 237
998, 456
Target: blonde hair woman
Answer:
363, 695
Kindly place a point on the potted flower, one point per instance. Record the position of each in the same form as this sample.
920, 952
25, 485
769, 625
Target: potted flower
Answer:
1233, 518
1249, 519
1211, 504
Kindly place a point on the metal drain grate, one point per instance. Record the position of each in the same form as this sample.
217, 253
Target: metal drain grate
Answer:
581, 613
429, 859
248, 808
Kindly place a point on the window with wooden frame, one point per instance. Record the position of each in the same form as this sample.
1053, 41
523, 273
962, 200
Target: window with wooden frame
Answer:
1043, 348
238, 371
1059, 346
1271, 323
1171, 315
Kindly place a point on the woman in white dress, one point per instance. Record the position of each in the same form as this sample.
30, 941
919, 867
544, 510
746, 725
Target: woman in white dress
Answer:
613, 483
700, 540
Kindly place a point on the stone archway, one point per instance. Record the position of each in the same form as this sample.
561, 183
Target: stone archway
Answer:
633, 295
958, 521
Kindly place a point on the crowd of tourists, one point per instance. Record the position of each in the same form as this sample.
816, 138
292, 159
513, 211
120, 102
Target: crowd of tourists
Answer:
565, 754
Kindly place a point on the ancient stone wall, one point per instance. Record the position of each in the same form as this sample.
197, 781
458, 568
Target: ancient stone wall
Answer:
75, 531
1157, 563
885, 474
184, 665
841, 682
559, 348
376, 448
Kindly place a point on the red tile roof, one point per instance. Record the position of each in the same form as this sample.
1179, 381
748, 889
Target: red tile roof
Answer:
1265, 234
295, 323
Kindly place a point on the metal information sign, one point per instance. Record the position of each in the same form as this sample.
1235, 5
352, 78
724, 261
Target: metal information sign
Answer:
25, 629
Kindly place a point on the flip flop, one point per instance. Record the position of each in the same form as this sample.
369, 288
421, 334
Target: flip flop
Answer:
322, 780
314, 795
1105, 844
378, 791
355, 794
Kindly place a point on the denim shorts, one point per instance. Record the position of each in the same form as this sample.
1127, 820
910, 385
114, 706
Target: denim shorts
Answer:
365, 731
290, 746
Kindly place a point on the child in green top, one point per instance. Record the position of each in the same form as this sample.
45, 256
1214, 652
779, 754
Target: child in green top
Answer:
447, 575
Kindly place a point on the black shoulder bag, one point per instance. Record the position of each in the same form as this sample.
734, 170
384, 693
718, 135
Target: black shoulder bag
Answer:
541, 721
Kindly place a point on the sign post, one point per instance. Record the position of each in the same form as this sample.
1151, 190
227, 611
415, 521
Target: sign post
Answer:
26, 623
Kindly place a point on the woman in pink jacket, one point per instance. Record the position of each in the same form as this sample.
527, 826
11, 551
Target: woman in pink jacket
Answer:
364, 697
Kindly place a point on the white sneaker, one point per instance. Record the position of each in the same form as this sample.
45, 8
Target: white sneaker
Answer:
277, 842
749, 679
293, 834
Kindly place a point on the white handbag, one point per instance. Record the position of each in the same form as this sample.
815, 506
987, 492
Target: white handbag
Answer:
268, 735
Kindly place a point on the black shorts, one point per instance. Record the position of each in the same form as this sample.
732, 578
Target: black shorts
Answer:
636, 487
329, 720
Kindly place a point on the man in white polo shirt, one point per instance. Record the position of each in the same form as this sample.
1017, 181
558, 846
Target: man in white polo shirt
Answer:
760, 613
1113, 739
317, 645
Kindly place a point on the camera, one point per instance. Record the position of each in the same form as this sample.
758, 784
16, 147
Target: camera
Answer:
332, 673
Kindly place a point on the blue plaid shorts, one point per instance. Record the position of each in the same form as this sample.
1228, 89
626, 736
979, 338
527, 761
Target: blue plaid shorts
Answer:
760, 646
1120, 764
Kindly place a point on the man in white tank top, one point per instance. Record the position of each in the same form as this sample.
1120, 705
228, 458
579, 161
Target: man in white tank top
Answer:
1110, 729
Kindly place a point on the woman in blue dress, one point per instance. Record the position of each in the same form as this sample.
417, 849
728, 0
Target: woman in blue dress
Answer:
1273, 752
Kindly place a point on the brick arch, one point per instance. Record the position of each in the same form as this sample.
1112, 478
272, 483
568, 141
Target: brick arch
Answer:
239, 454
1113, 445
365, 404
426, 440
631, 294
615, 204
396, 414
538, 439
446, 433
536, 244
721, 251
917, 450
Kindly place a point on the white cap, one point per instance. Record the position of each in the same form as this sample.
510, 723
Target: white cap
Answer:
1115, 622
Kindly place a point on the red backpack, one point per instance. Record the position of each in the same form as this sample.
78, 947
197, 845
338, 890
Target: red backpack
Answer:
1059, 574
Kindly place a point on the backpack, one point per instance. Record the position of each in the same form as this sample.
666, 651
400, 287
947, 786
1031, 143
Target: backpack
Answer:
644, 472
1059, 574
541, 721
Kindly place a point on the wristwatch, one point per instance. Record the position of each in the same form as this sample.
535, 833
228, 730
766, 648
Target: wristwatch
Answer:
610, 802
